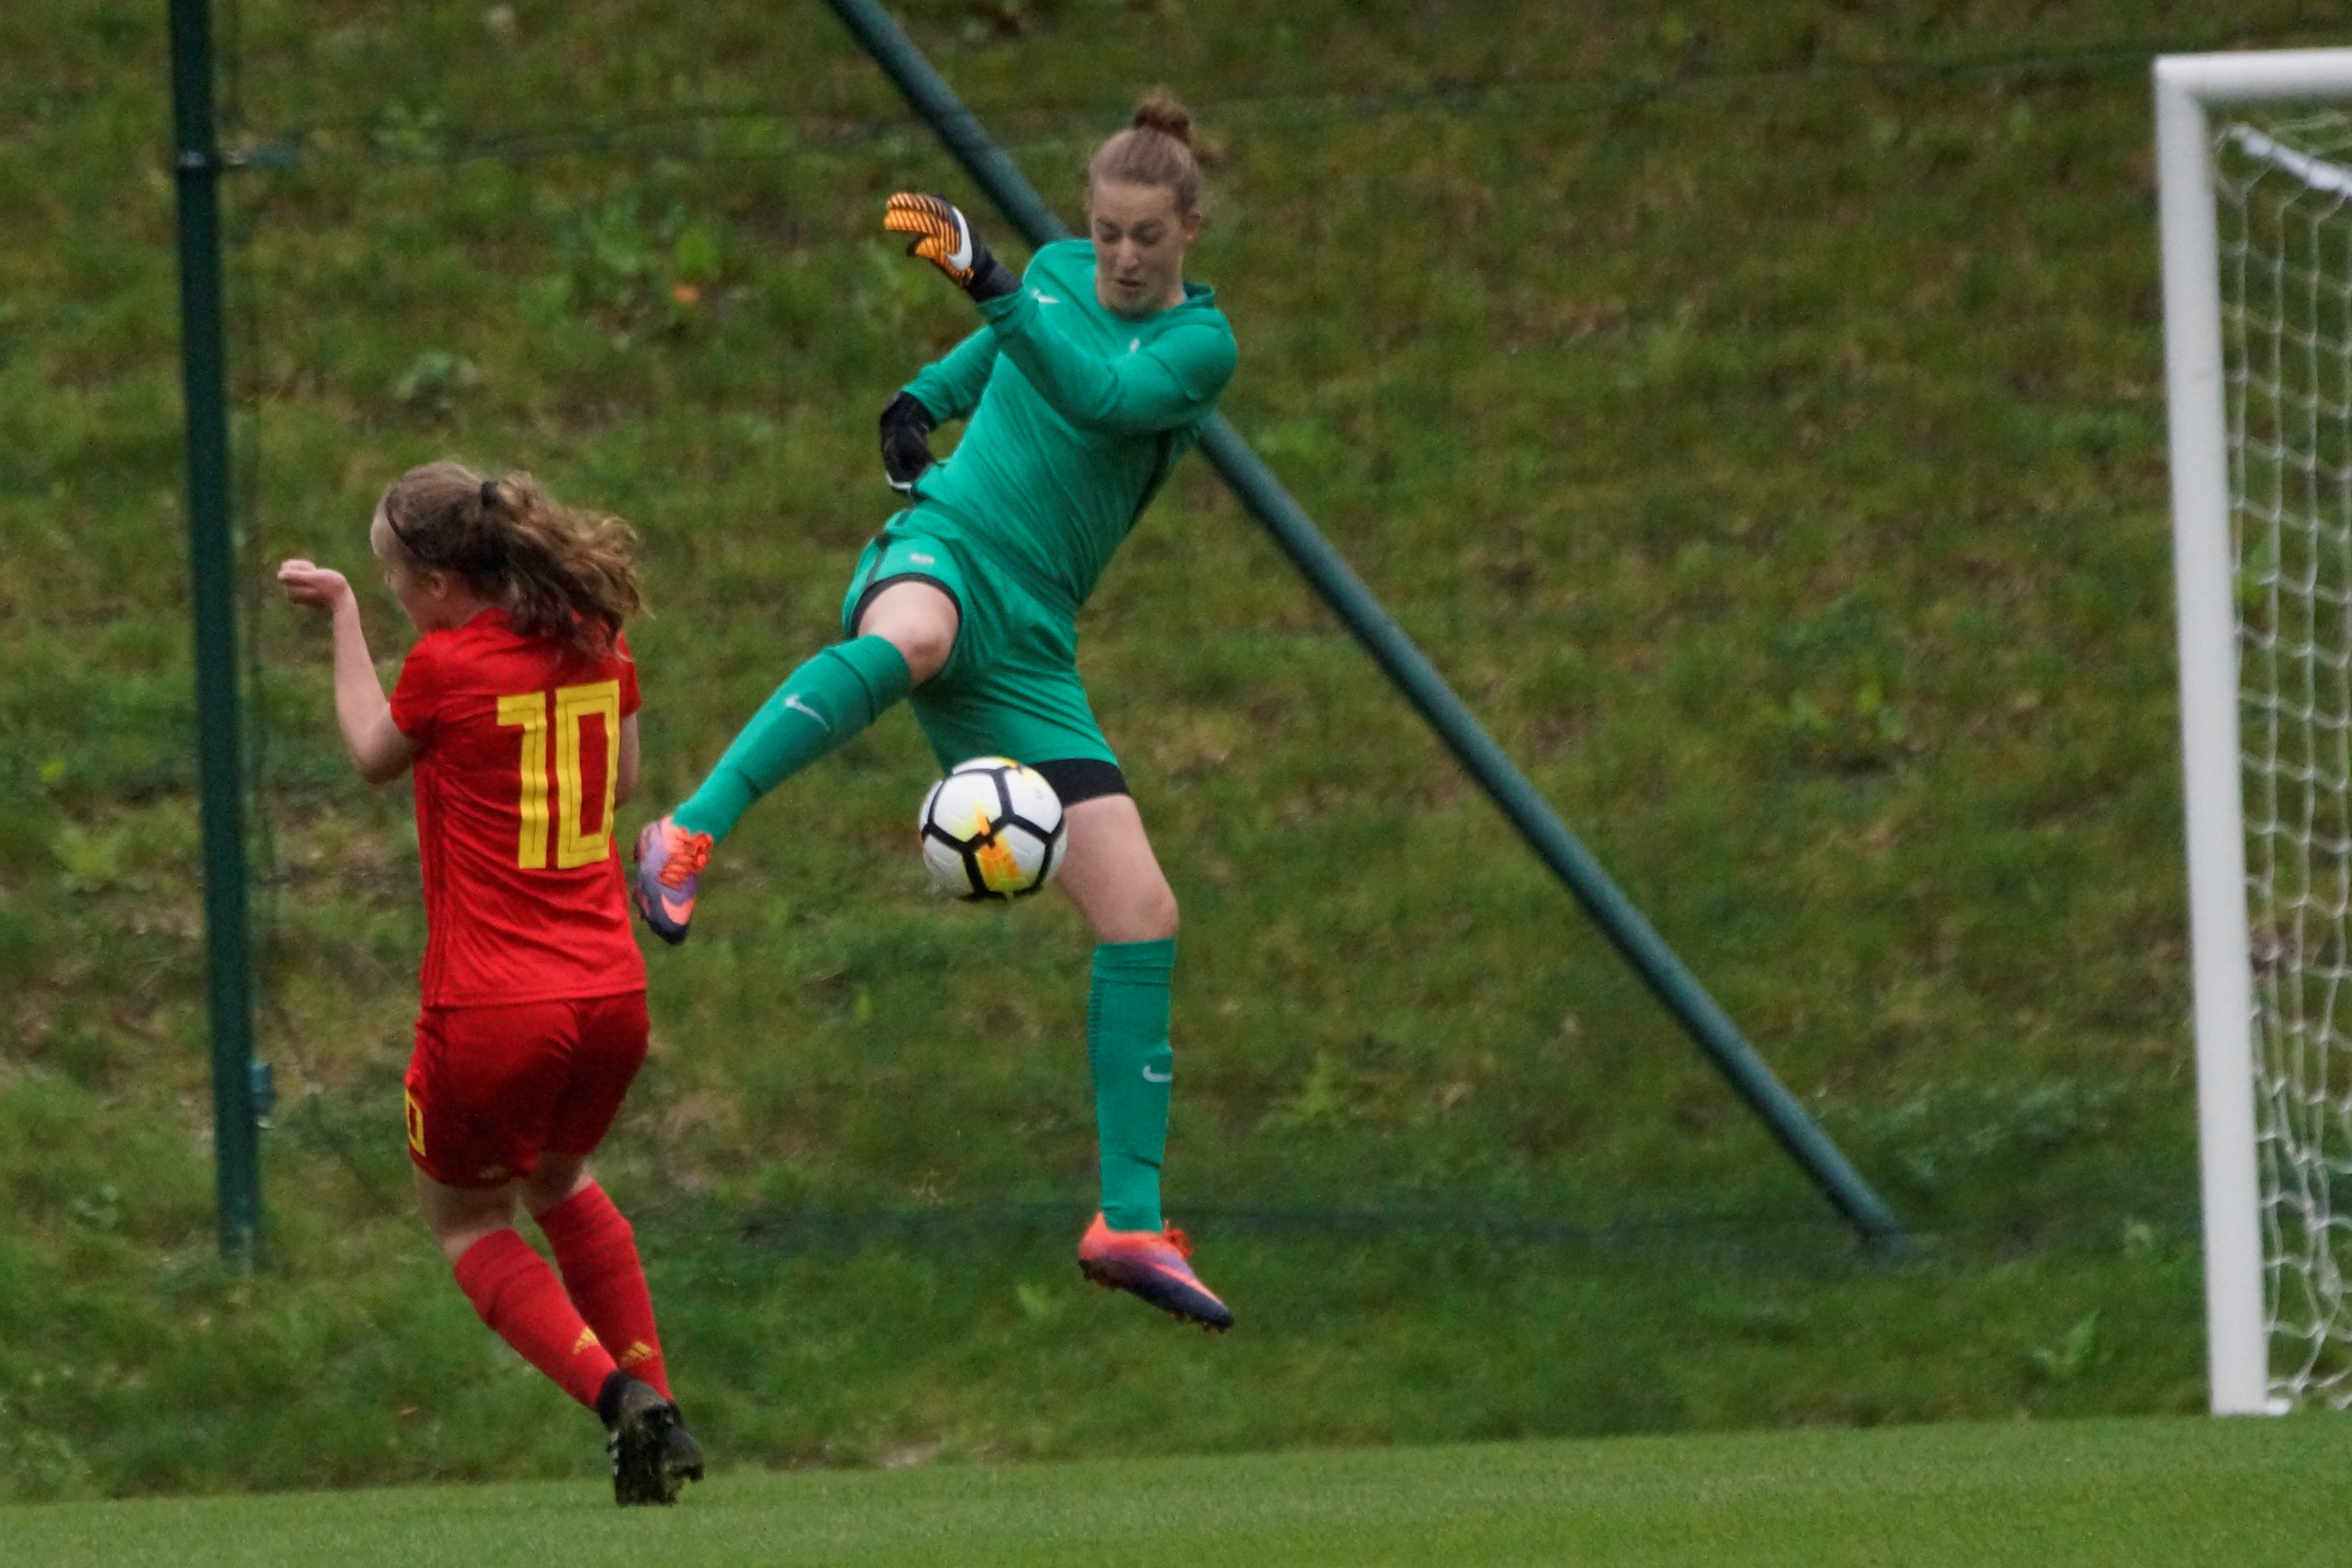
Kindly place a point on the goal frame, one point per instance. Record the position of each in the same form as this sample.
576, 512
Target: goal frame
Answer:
2221, 947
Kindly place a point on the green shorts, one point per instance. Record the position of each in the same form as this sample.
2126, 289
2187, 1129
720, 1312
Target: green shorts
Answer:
1010, 687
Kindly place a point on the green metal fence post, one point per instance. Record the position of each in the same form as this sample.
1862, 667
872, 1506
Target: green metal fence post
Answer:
197, 164
1410, 671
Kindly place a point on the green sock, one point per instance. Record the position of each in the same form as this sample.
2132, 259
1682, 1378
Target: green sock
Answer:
1127, 1051
820, 705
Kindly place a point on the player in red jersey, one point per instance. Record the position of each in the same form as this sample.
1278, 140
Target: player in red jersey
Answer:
518, 710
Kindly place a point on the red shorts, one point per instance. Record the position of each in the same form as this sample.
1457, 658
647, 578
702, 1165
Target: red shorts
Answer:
490, 1088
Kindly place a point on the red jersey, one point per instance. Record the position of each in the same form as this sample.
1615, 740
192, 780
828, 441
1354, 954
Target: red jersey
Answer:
517, 748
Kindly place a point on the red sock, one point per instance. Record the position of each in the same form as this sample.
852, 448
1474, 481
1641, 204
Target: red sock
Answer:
519, 1297
598, 1254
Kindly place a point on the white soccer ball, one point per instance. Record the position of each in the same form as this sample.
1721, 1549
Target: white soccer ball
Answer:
991, 829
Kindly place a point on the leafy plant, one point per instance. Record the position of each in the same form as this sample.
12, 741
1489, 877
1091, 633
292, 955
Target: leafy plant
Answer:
2077, 1352
638, 262
431, 384
1862, 733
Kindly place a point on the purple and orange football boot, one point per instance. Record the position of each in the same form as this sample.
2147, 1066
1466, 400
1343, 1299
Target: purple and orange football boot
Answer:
1151, 1264
669, 866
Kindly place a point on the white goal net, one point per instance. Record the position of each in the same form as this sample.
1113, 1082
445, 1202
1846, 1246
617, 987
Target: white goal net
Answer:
2283, 198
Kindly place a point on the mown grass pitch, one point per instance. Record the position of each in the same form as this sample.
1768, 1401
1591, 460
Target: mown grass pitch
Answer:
2139, 1492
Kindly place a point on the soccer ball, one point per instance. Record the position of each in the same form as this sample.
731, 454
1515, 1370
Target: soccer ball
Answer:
992, 829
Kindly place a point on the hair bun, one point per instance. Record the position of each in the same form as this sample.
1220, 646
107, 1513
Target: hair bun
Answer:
1160, 112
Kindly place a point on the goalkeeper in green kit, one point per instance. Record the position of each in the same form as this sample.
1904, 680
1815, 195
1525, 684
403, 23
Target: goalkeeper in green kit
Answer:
1086, 382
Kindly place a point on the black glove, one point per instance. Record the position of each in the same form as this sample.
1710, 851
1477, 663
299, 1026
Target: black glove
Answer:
945, 237
906, 448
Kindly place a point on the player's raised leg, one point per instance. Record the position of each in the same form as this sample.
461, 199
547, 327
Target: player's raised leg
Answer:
904, 636
1115, 879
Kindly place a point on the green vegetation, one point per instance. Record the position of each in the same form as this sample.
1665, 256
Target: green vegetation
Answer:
2143, 1493
1756, 411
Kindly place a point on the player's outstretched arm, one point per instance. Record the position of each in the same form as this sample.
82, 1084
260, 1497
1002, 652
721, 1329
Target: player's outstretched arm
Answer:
1173, 381
381, 751
950, 388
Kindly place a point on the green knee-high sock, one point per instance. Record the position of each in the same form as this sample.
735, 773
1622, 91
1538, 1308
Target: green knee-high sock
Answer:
819, 706
1127, 1050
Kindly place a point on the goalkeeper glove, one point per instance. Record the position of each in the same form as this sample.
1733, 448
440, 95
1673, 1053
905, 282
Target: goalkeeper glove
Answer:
944, 238
906, 426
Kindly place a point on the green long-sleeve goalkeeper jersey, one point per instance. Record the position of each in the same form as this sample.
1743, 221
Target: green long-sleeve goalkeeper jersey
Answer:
1075, 414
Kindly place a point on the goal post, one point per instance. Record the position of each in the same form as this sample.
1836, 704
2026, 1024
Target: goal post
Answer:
2259, 388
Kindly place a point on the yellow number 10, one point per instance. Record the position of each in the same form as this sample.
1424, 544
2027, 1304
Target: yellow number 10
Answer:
575, 846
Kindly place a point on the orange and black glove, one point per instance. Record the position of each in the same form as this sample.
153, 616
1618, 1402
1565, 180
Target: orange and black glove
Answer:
945, 237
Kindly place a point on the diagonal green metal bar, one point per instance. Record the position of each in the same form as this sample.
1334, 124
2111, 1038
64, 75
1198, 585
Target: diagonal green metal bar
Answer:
1404, 664
197, 166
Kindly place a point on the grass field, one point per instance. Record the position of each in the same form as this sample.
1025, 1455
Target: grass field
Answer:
2137, 1493
1757, 412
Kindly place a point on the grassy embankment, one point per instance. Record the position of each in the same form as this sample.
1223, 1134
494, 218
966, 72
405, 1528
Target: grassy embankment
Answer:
1766, 440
